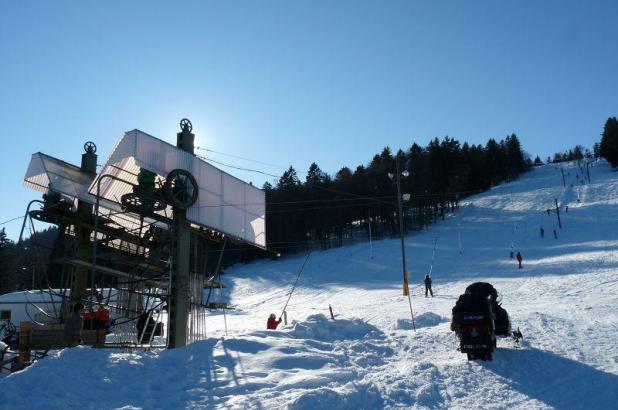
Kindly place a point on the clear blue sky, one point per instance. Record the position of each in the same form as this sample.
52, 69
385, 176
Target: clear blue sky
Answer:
289, 83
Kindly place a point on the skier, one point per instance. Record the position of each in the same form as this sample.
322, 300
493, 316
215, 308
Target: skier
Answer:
519, 259
428, 285
511, 253
548, 210
272, 322
567, 209
555, 234
542, 232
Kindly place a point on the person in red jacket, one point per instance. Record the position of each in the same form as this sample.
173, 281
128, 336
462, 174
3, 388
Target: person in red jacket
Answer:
272, 322
89, 318
102, 318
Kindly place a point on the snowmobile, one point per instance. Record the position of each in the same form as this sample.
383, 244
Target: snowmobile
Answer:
478, 319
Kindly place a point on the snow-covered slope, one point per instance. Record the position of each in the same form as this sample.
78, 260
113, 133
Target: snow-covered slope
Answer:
564, 301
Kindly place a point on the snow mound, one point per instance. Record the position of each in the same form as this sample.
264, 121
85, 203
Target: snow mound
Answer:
427, 319
319, 327
353, 396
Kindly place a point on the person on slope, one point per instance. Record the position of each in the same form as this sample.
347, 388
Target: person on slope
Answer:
519, 259
428, 285
272, 322
542, 232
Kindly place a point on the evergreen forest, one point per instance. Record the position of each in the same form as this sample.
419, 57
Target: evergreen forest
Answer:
321, 210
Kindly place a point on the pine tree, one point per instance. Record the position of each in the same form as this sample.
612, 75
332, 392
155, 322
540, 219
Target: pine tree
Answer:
289, 179
8, 277
515, 156
596, 148
609, 141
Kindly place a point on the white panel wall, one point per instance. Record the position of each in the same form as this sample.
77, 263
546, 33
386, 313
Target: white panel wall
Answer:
225, 203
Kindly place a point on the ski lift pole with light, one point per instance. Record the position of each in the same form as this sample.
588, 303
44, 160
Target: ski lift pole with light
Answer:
405, 197
406, 287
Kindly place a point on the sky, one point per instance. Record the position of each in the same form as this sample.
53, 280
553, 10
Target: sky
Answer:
291, 83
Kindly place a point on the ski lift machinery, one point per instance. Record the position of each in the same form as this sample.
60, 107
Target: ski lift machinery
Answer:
145, 224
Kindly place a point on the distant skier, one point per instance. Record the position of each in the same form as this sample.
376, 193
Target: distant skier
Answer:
272, 322
555, 234
519, 259
566, 208
542, 232
428, 285
548, 211
511, 254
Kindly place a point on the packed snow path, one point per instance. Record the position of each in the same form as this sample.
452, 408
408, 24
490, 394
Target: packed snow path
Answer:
564, 301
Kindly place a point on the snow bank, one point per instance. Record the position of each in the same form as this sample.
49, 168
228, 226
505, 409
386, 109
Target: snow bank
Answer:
351, 396
425, 319
318, 327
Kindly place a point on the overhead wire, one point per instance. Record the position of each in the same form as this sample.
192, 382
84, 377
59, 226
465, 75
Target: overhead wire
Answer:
237, 167
11, 220
240, 157
295, 283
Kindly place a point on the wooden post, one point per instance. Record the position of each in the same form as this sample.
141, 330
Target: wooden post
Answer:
370, 243
563, 181
285, 317
330, 308
558, 213
25, 329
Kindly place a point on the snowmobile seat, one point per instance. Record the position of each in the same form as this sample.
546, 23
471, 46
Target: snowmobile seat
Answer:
472, 309
483, 289
502, 324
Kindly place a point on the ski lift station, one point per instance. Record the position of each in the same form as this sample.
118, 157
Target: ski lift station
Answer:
143, 238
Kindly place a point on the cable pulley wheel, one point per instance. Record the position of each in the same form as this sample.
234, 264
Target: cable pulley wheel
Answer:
185, 125
90, 147
180, 189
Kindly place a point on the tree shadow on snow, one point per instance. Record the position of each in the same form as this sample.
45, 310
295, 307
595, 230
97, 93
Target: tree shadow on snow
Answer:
555, 380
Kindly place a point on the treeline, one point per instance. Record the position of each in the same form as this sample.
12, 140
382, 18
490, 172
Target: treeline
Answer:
19, 265
608, 148
575, 154
324, 210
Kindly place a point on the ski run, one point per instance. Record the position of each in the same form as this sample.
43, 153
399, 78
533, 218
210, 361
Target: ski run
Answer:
564, 300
